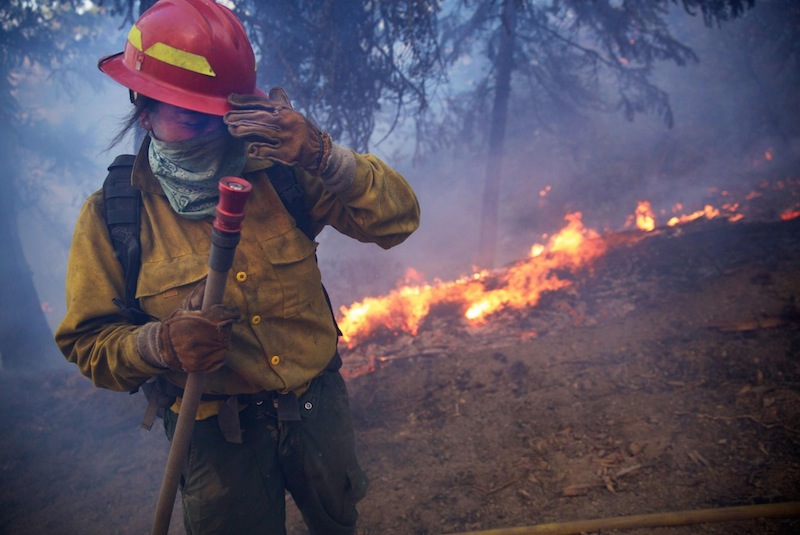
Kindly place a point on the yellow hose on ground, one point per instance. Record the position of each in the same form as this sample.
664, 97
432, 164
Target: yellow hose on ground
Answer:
653, 520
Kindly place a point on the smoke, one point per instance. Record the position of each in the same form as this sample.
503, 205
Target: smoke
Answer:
63, 170
735, 125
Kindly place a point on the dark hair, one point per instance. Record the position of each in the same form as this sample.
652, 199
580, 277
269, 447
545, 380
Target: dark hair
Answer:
141, 104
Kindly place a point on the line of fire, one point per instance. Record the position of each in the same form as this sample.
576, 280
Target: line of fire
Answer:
476, 300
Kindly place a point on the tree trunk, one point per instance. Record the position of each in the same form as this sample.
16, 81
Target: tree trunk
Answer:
26, 341
144, 5
487, 244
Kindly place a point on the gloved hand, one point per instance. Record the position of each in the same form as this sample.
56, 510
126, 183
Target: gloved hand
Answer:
278, 132
189, 340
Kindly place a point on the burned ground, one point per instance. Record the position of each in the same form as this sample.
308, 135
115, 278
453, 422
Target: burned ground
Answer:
667, 377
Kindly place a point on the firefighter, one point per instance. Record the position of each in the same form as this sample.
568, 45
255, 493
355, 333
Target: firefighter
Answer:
275, 414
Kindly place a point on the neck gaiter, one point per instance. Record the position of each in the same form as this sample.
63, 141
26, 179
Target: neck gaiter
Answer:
189, 171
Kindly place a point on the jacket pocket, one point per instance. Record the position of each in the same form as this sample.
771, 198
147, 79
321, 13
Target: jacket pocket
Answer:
292, 257
164, 284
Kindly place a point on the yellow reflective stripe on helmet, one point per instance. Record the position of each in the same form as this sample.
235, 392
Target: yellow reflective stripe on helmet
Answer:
180, 58
135, 37
171, 55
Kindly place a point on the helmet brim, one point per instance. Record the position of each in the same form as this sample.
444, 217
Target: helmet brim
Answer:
115, 68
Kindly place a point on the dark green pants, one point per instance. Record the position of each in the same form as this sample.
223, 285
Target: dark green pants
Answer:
240, 488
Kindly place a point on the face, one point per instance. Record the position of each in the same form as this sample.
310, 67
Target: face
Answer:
171, 124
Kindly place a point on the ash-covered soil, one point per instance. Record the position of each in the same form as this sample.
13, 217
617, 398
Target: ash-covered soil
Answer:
666, 378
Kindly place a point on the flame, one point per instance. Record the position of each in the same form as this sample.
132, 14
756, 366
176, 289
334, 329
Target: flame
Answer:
543, 193
479, 295
412, 276
790, 214
645, 220
708, 211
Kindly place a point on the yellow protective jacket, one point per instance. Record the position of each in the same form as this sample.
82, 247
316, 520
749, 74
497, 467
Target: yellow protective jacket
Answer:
286, 335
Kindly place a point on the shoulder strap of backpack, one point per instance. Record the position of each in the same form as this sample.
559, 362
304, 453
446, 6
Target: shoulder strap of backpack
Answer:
291, 194
285, 183
122, 206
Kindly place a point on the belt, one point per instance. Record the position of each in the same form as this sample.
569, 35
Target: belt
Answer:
164, 395
161, 394
176, 392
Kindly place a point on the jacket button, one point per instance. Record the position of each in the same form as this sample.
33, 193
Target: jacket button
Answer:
255, 320
241, 276
275, 360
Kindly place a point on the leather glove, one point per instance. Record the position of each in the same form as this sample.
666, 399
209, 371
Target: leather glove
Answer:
190, 339
277, 132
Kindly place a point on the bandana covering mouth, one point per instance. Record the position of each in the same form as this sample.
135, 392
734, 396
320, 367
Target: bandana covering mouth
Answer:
189, 171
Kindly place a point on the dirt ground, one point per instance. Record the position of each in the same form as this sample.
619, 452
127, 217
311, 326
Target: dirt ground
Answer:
666, 378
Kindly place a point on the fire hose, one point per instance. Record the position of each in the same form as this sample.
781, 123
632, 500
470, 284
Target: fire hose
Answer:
653, 520
225, 234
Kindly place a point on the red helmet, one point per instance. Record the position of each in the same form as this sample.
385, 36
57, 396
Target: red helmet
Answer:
188, 53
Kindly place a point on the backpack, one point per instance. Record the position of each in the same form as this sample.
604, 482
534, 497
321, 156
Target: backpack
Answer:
122, 203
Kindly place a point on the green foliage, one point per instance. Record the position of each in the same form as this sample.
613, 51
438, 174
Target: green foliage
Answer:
45, 48
45, 37
344, 63
569, 56
716, 11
